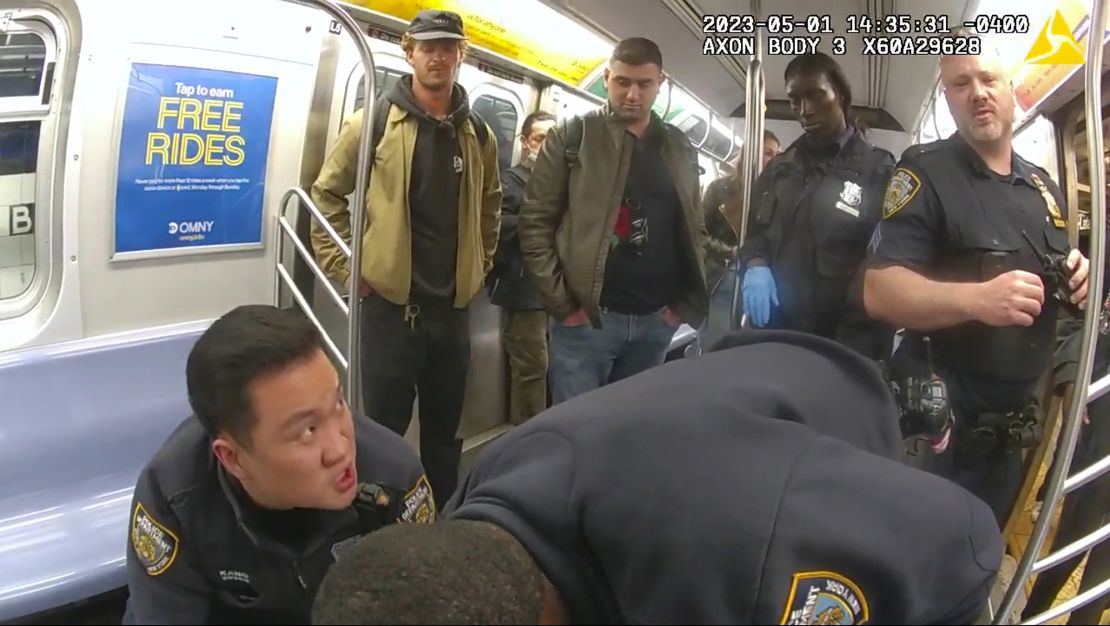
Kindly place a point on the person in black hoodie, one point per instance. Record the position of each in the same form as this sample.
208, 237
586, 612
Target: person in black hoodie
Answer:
431, 231
774, 494
525, 327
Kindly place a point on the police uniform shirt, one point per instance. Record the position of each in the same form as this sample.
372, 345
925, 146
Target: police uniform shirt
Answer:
772, 495
813, 210
949, 217
199, 551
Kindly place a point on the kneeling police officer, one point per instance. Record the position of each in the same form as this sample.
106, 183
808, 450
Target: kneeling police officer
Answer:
660, 499
248, 503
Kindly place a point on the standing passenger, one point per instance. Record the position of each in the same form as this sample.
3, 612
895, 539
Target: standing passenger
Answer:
525, 326
427, 246
812, 213
722, 208
612, 229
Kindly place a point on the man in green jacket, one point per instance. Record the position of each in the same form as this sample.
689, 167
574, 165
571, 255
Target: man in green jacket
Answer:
613, 233
433, 216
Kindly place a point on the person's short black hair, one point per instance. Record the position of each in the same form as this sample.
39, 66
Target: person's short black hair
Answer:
448, 572
245, 343
821, 63
637, 51
532, 118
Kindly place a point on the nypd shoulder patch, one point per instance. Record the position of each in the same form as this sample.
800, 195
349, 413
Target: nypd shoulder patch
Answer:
825, 598
155, 545
418, 506
902, 188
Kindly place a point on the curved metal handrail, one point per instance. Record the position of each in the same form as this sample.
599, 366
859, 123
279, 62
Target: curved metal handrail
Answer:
357, 212
1056, 484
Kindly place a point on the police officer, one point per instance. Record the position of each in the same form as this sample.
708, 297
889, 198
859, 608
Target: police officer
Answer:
246, 505
792, 506
950, 262
812, 212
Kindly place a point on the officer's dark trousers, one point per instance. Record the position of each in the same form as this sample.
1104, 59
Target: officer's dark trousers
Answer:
1084, 511
427, 354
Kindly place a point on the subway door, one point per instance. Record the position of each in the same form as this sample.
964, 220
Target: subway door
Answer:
502, 104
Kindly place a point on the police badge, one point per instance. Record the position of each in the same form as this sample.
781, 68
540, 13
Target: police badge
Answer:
851, 194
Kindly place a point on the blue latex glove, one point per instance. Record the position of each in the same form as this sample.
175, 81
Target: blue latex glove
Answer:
759, 293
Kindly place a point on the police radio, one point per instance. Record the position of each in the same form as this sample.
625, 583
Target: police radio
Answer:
922, 402
1056, 274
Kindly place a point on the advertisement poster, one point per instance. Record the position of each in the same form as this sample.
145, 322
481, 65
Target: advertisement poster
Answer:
192, 159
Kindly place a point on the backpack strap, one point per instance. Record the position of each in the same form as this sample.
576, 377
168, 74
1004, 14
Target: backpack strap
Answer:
575, 132
382, 108
480, 127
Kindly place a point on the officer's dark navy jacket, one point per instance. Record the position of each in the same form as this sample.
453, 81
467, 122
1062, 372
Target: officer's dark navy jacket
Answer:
952, 219
752, 485
812, 215
210, 560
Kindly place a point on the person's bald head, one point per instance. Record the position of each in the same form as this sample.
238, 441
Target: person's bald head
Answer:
980, 95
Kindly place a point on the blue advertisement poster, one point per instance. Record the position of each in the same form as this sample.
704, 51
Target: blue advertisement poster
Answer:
192, 159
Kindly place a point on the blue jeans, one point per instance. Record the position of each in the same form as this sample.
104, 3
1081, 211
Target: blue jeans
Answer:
584, 358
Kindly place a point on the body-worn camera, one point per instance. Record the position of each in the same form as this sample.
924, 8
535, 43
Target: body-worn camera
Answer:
1056, 274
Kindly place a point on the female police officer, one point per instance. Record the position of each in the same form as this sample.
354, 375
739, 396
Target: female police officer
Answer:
239, 515
812, 213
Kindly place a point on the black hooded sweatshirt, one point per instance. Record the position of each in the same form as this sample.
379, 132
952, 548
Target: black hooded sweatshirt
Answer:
437, 170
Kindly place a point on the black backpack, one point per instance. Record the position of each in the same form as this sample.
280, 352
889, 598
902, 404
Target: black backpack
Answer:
381, 116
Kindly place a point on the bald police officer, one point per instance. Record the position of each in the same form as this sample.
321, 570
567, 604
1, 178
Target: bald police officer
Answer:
661, 499
950, 261
246, 505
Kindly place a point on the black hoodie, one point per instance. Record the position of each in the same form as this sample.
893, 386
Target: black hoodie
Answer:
437, 169
758, 484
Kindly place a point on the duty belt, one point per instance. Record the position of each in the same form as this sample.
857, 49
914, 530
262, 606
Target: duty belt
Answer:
982, 435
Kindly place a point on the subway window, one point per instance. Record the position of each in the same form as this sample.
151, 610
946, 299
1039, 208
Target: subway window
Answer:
501, 116
19, 146
22, 64
695, 128
27, 60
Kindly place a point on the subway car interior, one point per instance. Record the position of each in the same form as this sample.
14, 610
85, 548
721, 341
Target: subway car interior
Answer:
102, 294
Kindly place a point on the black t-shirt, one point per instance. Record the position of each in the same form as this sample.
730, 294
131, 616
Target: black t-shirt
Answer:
642, 271
437, 167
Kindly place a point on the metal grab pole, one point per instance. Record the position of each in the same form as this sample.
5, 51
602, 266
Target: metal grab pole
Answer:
750, 160
358, 212
1070, 431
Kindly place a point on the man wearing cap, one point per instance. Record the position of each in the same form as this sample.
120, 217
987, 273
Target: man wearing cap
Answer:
663, 499
433, 215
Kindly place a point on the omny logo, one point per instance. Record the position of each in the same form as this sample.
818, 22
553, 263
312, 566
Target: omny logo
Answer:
1055, 45
191, 231
17, 219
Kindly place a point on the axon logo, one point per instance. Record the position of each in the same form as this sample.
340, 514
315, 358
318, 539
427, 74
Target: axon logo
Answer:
189, 228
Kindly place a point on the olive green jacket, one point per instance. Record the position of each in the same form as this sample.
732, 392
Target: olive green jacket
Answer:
569, 213
387, 239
